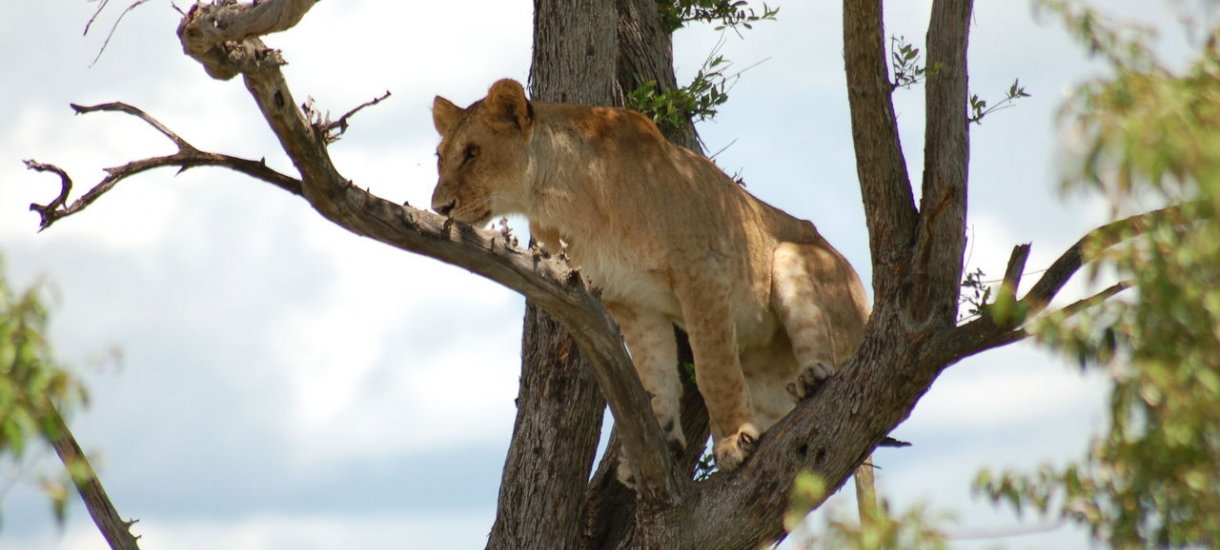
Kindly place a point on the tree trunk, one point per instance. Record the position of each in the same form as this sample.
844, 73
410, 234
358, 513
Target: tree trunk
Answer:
559, 413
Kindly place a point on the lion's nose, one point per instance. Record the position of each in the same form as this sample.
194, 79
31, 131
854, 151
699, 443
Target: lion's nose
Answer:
444, 209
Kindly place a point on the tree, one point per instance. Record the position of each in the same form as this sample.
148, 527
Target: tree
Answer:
1153, 478
916, 251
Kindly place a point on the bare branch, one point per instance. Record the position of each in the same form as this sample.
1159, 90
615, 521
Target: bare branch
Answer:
987, 335
1085, 303
234, 22
136, 112
187, 157
48, 212
332, 130
114, 528
988, 332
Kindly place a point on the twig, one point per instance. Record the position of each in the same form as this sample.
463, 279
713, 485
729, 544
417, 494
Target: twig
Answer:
116, 530
113, 28
1085, 303
49, 211
329, 130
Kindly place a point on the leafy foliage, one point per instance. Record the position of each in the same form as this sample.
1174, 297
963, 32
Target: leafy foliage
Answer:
32, 385
913, 529
697, 101
675, 14
906, 62
673, 109
980, 108
1152, 137
976, 293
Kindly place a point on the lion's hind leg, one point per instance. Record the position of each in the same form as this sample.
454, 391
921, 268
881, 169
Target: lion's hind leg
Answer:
654, 352
794, 298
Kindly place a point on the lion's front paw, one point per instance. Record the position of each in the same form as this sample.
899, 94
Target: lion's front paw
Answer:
808, 380
733, 450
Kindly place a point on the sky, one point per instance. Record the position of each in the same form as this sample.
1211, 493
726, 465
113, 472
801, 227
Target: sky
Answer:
281, 383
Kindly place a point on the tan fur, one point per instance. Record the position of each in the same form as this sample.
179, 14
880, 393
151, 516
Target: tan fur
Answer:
769, 305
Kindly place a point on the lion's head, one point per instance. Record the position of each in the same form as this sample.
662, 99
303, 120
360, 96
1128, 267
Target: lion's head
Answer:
483, 156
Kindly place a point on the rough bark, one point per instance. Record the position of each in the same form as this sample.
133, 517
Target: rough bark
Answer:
559, 413
937, 265
885, 187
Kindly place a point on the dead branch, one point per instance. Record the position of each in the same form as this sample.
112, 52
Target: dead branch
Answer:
333, 130
187, 157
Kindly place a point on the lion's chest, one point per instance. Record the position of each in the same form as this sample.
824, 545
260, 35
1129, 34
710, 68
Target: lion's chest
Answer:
629, 276
641, 278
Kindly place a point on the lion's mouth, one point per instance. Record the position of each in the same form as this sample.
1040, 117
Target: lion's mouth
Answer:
477, 217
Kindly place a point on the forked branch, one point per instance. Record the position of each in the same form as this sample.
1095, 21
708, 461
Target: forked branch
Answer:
991, 331
187, 157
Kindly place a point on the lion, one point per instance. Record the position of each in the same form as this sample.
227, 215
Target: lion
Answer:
770, 307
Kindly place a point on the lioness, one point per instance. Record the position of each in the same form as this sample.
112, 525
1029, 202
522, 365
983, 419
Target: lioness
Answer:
769, 305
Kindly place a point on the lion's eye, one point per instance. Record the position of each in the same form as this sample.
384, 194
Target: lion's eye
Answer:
471, 152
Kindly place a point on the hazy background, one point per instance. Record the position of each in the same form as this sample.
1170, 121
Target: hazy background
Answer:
284, 384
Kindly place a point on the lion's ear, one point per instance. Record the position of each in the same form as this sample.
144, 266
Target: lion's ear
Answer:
444, 114
506, 106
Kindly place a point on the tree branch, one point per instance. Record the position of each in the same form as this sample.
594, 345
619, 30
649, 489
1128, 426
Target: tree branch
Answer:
115, 530
1012, 274
1058, 274
187, 157
936, 270
885, 187
987, 332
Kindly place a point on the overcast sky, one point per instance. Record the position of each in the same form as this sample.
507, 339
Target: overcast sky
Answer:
284, 384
